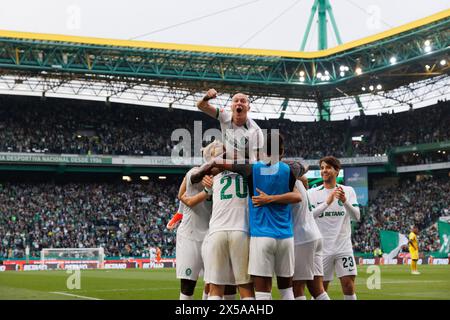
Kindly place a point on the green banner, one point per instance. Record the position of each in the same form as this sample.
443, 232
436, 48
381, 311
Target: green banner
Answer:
42, 158
444, 238
391, 243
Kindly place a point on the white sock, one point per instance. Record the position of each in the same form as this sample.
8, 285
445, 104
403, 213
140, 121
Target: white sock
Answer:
263, 295
350, 297
214, 298
300, 298
287, 294
205, 296
323, 296
248, 298
185, 297
229, 297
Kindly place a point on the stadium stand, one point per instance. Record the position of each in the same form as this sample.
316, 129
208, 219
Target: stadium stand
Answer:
128, 218
125, 219
398, 208
416, 126
28, 124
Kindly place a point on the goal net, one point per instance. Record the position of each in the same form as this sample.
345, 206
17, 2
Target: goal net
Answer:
73, 255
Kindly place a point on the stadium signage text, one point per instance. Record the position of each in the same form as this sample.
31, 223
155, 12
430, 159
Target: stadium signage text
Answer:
348, 161
115, 266
440, 261
39, 158
368, 261
424, 167
149, 160
75, 266
152, 265
34, 267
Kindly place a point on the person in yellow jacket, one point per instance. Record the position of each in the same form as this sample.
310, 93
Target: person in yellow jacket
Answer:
414, 249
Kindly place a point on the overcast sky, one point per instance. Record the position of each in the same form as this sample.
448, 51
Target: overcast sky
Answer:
264, 24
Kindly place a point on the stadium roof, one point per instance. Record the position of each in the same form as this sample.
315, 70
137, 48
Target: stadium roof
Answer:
135, 44
387, 65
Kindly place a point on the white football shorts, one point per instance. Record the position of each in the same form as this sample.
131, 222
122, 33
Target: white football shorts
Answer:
308, 260
188, 258
227, 258
269, 256
343, 264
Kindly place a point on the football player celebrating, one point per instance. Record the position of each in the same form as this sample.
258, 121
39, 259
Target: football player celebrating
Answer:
227, 247
334, 206
241, 135
193, 227
308, 248
271, 185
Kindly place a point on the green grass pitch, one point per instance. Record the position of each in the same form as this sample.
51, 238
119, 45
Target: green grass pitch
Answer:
396, 283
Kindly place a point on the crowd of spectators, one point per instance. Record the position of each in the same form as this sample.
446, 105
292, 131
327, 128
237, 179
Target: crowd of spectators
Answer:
127, 219
416, 126
398, 208
124, 219
310, 140
416, 158
61, 126
83, 127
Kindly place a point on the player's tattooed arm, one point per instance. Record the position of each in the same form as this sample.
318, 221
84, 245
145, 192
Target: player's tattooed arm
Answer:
198, 174
244, 169
297, 168
285, 198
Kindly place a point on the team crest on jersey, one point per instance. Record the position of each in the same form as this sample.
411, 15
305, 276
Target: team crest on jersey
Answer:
188, 271
340, 203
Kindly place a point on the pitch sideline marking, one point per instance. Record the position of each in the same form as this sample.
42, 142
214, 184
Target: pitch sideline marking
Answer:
75, 295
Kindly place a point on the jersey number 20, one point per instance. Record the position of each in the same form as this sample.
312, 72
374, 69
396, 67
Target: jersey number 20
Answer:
227, 180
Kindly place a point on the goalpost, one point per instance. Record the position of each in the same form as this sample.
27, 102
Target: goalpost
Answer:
73, 254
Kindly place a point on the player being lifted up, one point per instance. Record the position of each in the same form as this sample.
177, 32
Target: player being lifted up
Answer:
334, 206
241, 135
